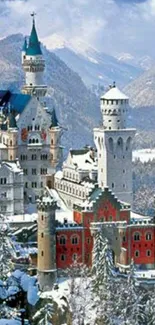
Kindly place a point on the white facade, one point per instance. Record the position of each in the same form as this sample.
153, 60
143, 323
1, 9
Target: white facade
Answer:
11, 189
78, 177
114, 145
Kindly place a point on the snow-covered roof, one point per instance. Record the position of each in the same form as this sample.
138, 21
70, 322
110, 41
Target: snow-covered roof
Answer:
114, 93
23, 218
138, 217
63, 212
12, 165
59, 174
83, 160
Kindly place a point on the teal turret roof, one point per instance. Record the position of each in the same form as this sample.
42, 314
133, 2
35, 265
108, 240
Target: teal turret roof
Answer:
12, 121
54, 120
24, 49
34, 44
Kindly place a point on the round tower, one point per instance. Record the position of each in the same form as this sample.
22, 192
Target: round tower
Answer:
34, 65
114, 145
46, 242
13, 137
55, 132
114, 108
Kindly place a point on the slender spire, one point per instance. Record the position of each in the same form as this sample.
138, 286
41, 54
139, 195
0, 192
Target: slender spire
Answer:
34, 44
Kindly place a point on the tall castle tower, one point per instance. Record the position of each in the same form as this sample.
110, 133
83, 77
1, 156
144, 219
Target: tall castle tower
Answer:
33, 64
46, 242
114, 145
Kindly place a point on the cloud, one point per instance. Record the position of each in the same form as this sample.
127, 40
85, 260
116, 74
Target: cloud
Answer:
110, 25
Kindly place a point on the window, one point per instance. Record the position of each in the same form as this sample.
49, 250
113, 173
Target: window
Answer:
10, 157
62, 257
25, 171
42, 217
74, 240
3, 181
62, 240
41, 184
42, 253
124, 238
43, 171
26, 185
42, 235
43, 157
3, 208
113, 185
74, 257
23, 157
34, 184
34, 171
136, 236
88, 240
148, 236
137, 253
34, 157
11, 143
110, 218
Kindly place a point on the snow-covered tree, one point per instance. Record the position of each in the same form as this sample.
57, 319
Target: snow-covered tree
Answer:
5, 248
103, 284
44, 315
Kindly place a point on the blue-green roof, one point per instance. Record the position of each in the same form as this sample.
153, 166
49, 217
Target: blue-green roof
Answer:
54, 119
34, 44
12, 120
24, 49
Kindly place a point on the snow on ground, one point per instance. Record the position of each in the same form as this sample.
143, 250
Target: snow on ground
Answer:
144, 155
9, 322
149, 274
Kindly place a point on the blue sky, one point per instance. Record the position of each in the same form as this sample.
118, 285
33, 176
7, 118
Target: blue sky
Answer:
111, 26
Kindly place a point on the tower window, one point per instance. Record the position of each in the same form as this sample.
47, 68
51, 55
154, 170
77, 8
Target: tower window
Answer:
42, 217
113, 185
42, 235
42, 253
34, 171
34, 157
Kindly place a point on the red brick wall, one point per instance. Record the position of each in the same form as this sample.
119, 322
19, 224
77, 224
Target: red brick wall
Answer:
68, 249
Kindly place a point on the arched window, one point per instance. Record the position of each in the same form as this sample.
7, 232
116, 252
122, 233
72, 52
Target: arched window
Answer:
33, 141
136, 236
10, 157
62, 257
148, 236
37, 141
11, 143
148, 253
128, 143
62, 240
30, 141
74, 257
111, 144
74, 239
120, 143
137, 254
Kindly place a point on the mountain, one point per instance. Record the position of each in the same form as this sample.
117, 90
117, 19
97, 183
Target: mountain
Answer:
143, 62
77, 108
98, 68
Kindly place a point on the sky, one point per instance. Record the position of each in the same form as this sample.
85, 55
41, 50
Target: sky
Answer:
111, 26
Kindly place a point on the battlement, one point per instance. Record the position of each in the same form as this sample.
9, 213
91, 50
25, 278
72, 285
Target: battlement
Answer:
46, 203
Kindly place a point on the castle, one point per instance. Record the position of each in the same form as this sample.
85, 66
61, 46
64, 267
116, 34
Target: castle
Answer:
93, 189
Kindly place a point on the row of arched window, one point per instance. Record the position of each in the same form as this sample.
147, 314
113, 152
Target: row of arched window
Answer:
6, 141
63, 240
137, 236
115, 102
114, 111
71, 175
30, 128
148, 253
63, 257
69, 189
34, 140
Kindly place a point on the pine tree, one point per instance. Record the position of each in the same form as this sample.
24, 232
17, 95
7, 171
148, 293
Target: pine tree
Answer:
44, 315
5, 248
103, 279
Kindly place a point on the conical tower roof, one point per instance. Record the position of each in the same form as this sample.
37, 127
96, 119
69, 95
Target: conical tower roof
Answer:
24, 49
54, 120
34, 44
12, 121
